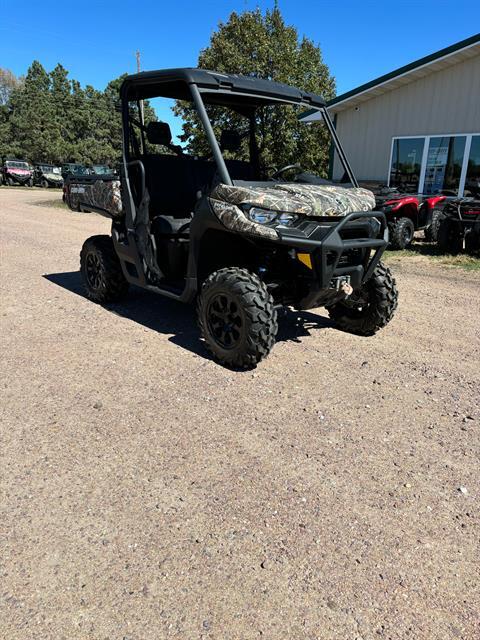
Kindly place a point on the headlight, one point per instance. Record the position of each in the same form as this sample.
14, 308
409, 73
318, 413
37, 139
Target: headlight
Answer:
261, 216
265, 216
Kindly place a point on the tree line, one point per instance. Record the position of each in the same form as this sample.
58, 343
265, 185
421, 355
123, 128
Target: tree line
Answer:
48, 117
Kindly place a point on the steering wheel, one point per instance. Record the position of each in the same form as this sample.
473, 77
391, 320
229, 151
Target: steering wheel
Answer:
288, 167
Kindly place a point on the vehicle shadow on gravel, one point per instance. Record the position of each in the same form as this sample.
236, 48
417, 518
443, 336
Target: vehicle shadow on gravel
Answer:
170, 317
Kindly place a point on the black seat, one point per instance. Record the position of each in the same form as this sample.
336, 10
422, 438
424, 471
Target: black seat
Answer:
170, 226
174, 181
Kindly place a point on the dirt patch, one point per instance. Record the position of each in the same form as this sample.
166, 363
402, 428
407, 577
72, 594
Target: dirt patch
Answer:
149, 493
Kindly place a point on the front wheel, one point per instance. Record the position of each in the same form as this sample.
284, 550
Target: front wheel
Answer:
44, 184
369, 308
401, 233
237, 318
472, 242
450, 237
101, 270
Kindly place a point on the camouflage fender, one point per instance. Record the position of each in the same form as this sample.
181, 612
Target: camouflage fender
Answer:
233, 218
303, 199
101, 194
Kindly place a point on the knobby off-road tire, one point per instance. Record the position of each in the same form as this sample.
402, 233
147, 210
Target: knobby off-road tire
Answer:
236, 317
370, 308
44, 184
401, 233
449, 239
472, 242
431, 232
101, 271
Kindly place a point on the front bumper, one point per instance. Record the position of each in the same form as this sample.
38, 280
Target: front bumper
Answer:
337, 250
20, 179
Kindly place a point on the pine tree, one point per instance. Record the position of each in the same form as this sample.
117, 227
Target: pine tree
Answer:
31, 120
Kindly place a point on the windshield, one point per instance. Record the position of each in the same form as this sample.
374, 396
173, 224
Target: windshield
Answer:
101, 169
77, 169
17, 165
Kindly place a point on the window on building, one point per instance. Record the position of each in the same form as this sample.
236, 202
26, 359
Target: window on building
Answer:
472, 180
444, 165
406, 164
448, 165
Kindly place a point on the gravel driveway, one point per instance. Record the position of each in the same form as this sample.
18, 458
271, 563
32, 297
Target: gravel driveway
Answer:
148, 493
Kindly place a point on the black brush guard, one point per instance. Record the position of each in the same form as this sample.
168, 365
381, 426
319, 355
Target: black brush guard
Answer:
326, 246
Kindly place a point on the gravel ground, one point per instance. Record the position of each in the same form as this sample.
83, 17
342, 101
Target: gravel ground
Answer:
149, 493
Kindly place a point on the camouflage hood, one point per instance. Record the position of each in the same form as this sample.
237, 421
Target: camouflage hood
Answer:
304, 199
229, 203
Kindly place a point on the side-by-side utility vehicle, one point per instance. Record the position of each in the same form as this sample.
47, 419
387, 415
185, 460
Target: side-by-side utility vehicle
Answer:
47, 175
240, 238
16, 172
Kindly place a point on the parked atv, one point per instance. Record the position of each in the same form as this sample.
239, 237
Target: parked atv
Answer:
16, 172
407, 213
47, 175
241, 239
460, 223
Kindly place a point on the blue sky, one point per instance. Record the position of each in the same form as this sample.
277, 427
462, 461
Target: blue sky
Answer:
96, 41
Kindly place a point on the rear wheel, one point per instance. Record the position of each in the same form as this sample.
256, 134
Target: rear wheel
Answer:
101, 271
401, 233
44, 183
449, 237
369, 308
431, 232
237, 318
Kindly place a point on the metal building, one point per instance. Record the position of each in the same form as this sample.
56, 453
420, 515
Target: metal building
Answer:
417, 128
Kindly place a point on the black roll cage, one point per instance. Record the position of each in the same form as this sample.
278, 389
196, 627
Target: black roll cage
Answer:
202, 87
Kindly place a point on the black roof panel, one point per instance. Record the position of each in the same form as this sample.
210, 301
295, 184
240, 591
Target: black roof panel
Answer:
213, 85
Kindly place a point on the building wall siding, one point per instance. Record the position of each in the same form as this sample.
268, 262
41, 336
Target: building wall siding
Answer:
447, 101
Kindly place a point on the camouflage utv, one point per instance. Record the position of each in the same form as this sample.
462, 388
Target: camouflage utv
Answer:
240, 238
47, 175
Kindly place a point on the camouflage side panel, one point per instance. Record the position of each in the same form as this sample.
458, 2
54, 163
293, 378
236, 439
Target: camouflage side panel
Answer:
303, 199
234, 218
103, 194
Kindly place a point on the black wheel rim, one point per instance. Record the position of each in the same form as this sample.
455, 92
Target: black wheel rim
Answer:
225, 320
93, 271
358, 302
407, 235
